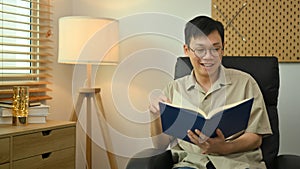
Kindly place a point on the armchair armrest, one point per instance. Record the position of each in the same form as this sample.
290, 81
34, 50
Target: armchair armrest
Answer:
151, 159
288, 161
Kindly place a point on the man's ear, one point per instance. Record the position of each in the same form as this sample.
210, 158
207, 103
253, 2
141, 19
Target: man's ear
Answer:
224, 45
186, 49
223, 49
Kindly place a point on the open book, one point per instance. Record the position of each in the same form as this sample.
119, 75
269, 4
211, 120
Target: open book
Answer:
231, 119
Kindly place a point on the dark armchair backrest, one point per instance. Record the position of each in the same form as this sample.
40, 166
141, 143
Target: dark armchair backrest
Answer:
266, 72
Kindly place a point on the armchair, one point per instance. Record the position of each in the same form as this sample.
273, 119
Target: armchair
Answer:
266, 72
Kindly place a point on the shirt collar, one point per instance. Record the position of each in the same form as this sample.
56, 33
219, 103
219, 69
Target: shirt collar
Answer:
222, 80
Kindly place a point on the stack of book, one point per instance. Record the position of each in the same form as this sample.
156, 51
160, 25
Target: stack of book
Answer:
37, 113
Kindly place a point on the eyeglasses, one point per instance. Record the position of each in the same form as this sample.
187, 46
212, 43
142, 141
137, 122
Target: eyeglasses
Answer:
202, 52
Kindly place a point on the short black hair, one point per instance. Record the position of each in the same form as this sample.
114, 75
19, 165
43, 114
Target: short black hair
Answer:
202, 25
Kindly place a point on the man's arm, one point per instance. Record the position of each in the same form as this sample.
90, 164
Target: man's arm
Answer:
159, 139
246, 142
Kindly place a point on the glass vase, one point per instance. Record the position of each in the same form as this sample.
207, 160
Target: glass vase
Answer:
20, 105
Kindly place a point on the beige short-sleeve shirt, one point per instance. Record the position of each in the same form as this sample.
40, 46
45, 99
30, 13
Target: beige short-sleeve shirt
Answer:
231, 86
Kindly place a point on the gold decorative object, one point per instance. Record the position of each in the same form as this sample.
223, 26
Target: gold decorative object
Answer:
20, 105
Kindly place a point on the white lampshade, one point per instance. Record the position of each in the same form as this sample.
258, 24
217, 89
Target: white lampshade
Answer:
88, 40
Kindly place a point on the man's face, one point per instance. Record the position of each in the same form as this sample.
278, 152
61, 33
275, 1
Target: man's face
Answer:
205, 53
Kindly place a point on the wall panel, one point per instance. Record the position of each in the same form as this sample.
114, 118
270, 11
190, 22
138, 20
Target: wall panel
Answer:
260, 27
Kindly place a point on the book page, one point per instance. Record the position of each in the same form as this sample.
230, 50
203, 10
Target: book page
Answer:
234, 136
181, 102
220, 109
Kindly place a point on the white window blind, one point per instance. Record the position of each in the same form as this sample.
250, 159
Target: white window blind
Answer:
26, 47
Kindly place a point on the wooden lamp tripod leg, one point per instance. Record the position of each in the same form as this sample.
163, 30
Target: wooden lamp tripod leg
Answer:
74, 117
103, 125
88, 136
94, 93
78, 106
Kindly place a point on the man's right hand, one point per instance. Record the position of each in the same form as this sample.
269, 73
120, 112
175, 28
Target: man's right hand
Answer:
154, 103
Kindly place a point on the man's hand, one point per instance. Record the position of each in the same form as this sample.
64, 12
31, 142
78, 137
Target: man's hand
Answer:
208, 145
154, 100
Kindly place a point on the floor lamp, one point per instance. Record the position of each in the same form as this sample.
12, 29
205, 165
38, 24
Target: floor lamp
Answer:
89, 41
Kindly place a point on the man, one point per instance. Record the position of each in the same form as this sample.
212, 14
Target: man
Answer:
211, 85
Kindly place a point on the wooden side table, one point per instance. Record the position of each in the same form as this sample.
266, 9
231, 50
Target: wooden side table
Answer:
51, 146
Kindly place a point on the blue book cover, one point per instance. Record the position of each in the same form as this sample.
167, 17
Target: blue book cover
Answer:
232, 119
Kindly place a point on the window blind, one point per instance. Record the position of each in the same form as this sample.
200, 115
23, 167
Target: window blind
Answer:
26, 47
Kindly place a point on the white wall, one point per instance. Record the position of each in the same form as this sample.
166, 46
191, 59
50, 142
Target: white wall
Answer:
289, 108
61, 104
147, 28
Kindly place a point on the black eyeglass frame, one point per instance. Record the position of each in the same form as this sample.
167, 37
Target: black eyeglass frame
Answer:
211, 51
